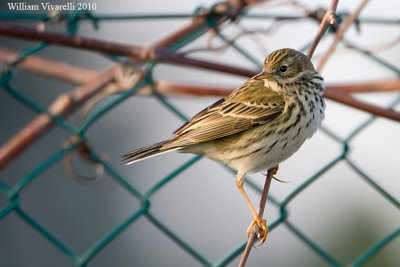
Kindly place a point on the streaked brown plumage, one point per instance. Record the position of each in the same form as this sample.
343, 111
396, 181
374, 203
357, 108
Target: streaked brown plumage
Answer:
259, 125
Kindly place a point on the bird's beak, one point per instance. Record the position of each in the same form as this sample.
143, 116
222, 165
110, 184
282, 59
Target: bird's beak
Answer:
262, 76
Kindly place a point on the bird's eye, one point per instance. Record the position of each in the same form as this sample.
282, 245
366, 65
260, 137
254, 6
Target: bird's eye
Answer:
283, 68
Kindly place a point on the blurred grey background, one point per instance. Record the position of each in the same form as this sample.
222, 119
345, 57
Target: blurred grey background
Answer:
339, 211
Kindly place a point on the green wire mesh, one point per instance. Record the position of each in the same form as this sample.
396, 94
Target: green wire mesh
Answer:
13, 193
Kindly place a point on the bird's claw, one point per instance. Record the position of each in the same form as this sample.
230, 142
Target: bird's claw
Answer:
262, 229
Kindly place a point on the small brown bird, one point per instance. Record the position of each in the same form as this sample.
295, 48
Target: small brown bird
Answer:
259, 125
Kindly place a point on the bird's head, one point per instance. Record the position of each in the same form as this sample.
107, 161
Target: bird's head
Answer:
285, 68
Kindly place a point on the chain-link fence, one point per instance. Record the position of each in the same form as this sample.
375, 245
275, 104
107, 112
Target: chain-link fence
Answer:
100, 94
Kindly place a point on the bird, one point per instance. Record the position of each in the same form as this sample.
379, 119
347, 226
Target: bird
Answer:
257, 126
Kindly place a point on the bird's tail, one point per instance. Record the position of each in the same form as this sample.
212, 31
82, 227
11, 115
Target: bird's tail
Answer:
146, 152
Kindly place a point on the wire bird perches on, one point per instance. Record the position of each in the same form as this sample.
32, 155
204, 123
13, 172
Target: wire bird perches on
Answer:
255, 231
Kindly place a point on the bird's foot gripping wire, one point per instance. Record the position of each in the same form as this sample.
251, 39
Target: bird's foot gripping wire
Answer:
262, 230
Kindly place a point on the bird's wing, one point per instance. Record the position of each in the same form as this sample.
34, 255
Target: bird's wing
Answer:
226, 117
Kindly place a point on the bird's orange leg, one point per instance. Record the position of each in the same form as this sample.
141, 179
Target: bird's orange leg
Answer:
256, 218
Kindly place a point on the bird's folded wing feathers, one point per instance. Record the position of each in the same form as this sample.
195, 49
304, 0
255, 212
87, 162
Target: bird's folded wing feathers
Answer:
222, 119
